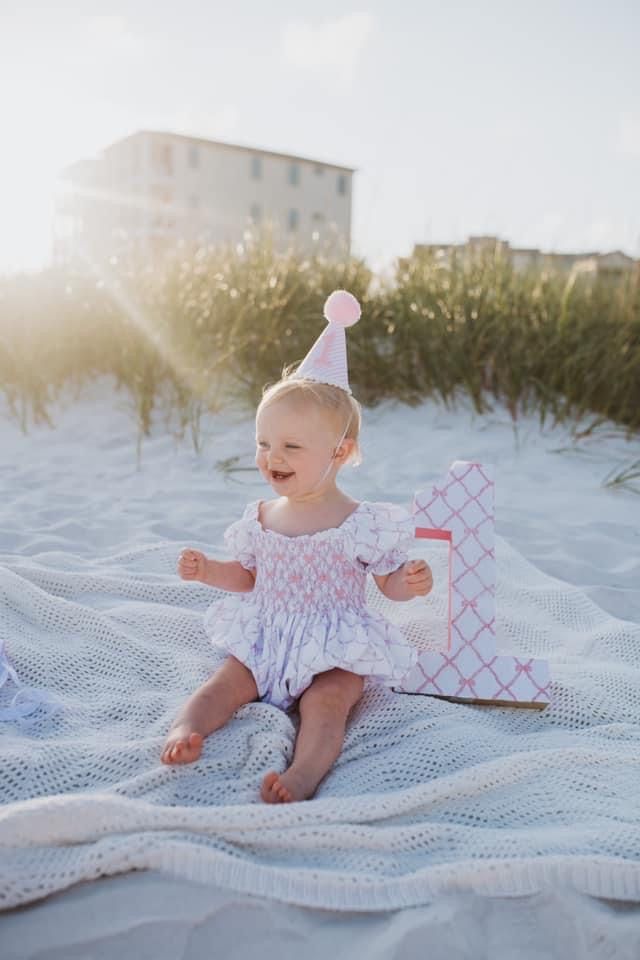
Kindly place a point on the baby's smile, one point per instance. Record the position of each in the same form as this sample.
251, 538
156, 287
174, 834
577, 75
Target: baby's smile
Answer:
277, 475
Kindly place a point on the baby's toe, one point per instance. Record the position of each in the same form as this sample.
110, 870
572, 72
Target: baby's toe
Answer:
172, 752
193, 747
268, 787
182, 752
184, 749
283, 794
167, 754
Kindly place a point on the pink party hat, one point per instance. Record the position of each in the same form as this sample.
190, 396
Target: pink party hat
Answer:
326, 362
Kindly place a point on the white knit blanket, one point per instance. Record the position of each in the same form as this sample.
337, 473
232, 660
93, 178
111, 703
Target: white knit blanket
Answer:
427, 797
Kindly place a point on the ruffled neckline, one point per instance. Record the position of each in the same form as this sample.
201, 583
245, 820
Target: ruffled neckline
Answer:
318, 535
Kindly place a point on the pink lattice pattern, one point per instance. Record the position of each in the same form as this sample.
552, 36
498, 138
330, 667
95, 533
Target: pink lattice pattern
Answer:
461, 509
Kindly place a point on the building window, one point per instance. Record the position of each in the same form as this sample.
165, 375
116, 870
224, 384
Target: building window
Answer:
256, 213
318, 217
294, 174
194, 159
163, 158
318, 170
342, 184
294, 219
256, 167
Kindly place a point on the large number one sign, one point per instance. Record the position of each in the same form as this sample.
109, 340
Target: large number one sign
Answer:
460, 510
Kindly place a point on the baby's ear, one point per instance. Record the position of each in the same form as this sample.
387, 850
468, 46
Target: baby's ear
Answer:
344, 451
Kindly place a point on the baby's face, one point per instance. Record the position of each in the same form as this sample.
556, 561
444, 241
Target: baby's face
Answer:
295, 446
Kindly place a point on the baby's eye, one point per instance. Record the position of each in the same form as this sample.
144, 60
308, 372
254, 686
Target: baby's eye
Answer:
292, 446
262, 444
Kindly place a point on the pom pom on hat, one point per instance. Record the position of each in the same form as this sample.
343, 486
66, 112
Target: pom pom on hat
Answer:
342, 308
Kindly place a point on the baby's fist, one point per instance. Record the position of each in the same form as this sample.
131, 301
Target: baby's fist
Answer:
192, 565
418, 577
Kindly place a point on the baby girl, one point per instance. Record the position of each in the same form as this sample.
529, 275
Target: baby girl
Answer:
300, 633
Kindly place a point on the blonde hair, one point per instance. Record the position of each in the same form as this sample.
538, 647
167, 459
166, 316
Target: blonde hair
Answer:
340, 405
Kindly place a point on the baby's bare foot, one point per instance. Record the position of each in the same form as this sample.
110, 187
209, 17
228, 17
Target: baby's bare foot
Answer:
286, 787
183, 745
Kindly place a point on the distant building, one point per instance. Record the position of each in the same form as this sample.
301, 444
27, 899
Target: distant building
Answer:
522, 259
150, 190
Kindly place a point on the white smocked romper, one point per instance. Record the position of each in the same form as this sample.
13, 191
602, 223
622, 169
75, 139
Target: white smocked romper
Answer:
307, 611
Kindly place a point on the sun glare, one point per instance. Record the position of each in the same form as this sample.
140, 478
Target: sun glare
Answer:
27, 211
40, 136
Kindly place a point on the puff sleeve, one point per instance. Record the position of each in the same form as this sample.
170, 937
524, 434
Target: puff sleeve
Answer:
383, 534
239, 537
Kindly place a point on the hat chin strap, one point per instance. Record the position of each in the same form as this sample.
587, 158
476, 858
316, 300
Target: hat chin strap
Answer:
333, 456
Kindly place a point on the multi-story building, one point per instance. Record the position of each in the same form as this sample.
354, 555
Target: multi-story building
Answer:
615, 263
151, 191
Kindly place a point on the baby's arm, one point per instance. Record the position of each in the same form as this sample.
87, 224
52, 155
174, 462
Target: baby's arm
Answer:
224, 574
412, 579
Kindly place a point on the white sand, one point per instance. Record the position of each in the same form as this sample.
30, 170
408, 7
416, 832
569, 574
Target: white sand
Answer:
76, 490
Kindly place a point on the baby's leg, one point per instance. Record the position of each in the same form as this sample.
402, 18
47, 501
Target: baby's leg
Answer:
230, 687
324, 708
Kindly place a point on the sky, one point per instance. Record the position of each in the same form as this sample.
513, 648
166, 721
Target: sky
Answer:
501, 117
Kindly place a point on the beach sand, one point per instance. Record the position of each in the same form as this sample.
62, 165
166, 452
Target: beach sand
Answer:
77, 489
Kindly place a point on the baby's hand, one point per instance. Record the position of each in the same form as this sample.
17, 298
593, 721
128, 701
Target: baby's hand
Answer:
417, 576
192, 565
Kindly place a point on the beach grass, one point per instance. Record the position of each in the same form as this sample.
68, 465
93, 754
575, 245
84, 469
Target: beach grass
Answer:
210, 327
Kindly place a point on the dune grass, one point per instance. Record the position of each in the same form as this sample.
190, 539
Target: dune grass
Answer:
202, 330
